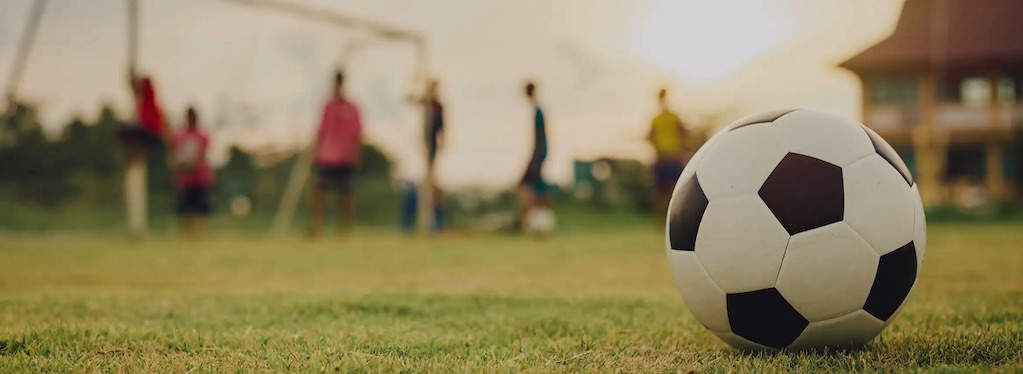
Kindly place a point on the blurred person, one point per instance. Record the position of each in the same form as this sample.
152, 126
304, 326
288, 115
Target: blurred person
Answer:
433, 131
193, 176
139, 138
338, 143
147, 130
532, 190
667, 136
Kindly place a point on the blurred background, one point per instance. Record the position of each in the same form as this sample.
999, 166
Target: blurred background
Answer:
939, 79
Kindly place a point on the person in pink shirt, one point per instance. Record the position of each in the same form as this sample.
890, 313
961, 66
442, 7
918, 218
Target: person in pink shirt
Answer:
193, 175
338, 143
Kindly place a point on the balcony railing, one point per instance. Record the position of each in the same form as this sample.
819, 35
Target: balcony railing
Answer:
947, 116
892, 117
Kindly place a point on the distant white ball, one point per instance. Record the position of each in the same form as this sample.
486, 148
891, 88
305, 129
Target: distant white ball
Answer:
540, 221
241, 206
795, 229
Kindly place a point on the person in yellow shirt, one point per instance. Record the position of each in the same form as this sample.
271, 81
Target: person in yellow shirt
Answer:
667, 136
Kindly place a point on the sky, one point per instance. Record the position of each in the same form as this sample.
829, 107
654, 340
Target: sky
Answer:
259, 78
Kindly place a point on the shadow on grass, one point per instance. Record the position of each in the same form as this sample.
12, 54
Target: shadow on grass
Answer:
990, 349
821, 351
11, 347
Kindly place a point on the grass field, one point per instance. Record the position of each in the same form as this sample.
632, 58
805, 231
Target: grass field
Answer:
378, 302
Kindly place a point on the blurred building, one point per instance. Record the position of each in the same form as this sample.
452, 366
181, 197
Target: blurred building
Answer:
945, 90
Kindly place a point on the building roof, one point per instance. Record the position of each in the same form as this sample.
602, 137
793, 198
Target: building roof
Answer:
977, 33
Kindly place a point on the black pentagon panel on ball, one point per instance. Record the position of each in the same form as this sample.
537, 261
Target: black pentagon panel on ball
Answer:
765, 117
688, 203
896, 274
888, 153
804, 193
764, 317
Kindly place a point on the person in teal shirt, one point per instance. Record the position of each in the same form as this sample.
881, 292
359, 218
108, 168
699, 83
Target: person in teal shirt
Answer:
532, 189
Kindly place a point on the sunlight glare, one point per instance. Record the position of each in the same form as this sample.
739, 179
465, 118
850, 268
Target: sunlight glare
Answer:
705, 40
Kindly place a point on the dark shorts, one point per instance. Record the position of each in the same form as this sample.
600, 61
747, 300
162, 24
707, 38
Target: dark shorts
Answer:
337, 177
138, 136
533, 172
533, 178
666, 173
194, 201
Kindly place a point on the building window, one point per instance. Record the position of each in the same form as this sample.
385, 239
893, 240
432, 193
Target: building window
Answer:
894, 89
976, 91
1006, 90
1018, 80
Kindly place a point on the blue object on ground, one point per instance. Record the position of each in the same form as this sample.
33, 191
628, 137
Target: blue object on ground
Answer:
410, 209
409, 206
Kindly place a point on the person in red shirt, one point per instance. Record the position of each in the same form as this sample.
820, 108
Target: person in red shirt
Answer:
143, 134
338, 143
193, 175
148, 129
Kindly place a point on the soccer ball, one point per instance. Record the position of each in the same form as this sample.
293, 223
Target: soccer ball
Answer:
795, 229
540, 221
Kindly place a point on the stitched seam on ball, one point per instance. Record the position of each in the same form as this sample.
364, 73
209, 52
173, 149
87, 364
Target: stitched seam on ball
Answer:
861, 159
782, 264
718, 287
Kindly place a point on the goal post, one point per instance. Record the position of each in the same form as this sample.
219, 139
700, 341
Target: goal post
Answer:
299, 175
136, 196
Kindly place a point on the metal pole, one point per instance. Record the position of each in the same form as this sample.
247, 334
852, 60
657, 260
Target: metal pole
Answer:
327, 16
293, 190
135, 194
21, 56
426, 217
133, 31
